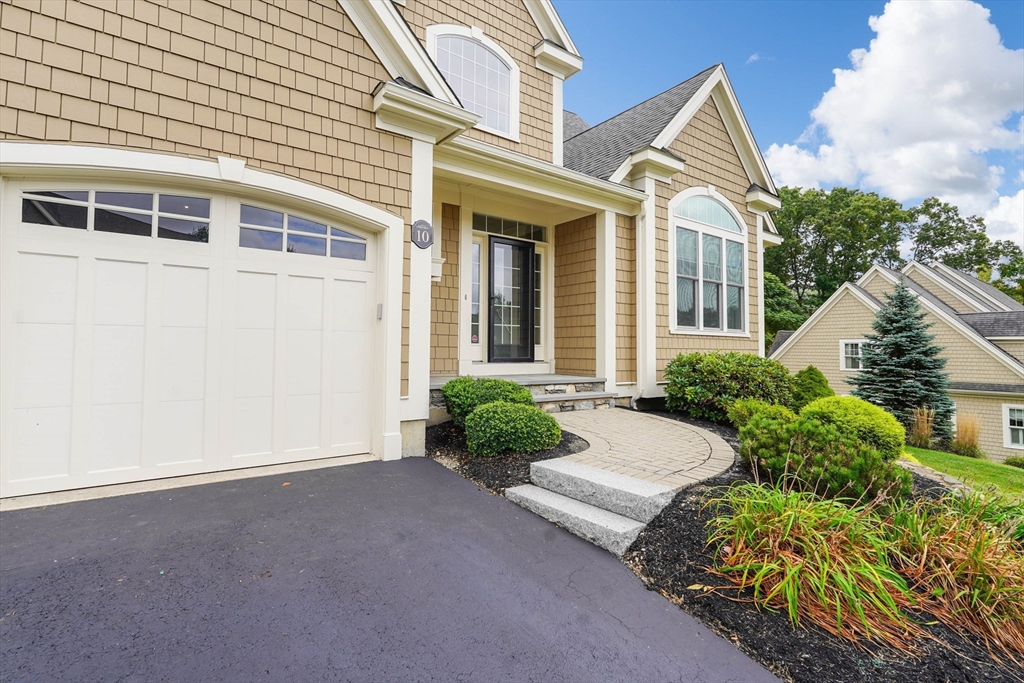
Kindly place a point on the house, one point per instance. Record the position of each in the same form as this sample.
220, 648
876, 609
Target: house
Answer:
980, 329
251, 232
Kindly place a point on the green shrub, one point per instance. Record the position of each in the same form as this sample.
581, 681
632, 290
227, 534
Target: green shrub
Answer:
706, 384
810, 455
1015, 461
501, 427
809, 385
463, 395
743, 409
859, 419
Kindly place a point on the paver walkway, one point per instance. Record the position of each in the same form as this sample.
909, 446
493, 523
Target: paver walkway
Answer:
648, 447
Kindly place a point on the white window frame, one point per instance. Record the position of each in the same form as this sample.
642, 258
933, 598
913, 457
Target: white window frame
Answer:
1005, 413
475, 33
842, 354
701, 229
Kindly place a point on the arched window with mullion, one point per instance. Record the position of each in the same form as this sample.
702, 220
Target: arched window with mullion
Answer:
481, 79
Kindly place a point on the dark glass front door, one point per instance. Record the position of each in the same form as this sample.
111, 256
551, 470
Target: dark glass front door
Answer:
511, 301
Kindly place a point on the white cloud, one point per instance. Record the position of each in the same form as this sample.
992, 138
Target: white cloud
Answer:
753, 58
1005, 220
917, 112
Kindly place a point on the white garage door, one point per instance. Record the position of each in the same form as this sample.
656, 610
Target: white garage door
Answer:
155, 332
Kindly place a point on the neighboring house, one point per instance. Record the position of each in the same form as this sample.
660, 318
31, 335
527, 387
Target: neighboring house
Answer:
980, 329
209, 257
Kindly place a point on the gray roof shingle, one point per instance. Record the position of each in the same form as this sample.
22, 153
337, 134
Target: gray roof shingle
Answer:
601, 149
780, 338
1013, 389
1001, 324
572, 124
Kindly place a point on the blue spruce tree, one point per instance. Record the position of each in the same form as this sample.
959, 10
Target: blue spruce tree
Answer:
901, 368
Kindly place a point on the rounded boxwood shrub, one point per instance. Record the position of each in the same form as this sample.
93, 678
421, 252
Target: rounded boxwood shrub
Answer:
811, 455
742, 410
706, 384
502, 427
463, 395
862, 420
809, 385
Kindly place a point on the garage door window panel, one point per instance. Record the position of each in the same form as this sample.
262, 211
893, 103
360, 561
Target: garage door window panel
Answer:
279, 231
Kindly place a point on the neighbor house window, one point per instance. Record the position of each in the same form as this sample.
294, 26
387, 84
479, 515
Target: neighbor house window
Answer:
271, 230
481, 73
710, 265
1013, 426
850, 354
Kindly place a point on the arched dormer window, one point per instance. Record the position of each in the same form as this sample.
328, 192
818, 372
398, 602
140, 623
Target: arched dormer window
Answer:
482, 74
709, 270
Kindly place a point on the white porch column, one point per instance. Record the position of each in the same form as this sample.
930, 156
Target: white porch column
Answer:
606, 298
416, 405
646, 292
557, 123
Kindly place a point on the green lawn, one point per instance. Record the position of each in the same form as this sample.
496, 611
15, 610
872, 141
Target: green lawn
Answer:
979, 473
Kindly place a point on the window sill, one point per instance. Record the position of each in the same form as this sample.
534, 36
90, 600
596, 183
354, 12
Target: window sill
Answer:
707, 333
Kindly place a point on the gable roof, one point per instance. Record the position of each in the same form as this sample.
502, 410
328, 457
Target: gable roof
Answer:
572, 124
601, 149
851, 288
988, 290
997, 324
916, 268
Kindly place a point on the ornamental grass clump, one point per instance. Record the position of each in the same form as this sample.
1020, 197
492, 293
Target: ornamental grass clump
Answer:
921, 422
819, 560
968, 431
965, 555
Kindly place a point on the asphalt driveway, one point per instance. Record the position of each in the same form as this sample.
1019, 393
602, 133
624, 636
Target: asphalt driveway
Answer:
378, 571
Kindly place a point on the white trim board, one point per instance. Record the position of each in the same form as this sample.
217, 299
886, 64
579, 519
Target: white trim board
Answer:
966, 282
914, 267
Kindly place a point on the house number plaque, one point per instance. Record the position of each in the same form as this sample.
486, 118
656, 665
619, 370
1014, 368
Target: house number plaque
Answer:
422, 234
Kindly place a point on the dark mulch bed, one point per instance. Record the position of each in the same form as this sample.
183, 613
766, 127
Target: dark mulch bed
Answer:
670, 554
446, 443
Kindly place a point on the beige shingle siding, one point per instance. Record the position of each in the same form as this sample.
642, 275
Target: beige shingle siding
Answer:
989, 410
576, 296
1014, 348
444, 299
284, 85
625, 298
508, 23
711, 159
849, 318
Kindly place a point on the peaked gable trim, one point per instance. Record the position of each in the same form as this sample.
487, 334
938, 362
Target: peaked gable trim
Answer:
958, 277
720, 89
914, 267
953, 320
550, 24
847, 288
395, 45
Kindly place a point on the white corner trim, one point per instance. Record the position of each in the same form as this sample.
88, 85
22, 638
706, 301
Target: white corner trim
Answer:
762, 351
556, 61
955, 322
401, 53
846, 288
557, 121
406, 112
842, 353
1005, 415
550, 24
719, 87
434, 31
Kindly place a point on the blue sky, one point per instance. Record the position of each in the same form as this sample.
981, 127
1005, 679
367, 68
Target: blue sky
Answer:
635, 49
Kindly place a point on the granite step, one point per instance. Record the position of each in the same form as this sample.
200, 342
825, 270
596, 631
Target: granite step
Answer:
611, 531
587, 400
623, 495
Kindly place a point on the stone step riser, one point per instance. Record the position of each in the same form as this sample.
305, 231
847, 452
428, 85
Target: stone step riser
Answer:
607, 530
566, 389
627, 496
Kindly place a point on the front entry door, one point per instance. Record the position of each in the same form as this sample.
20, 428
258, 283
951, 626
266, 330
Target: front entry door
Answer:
511, 301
